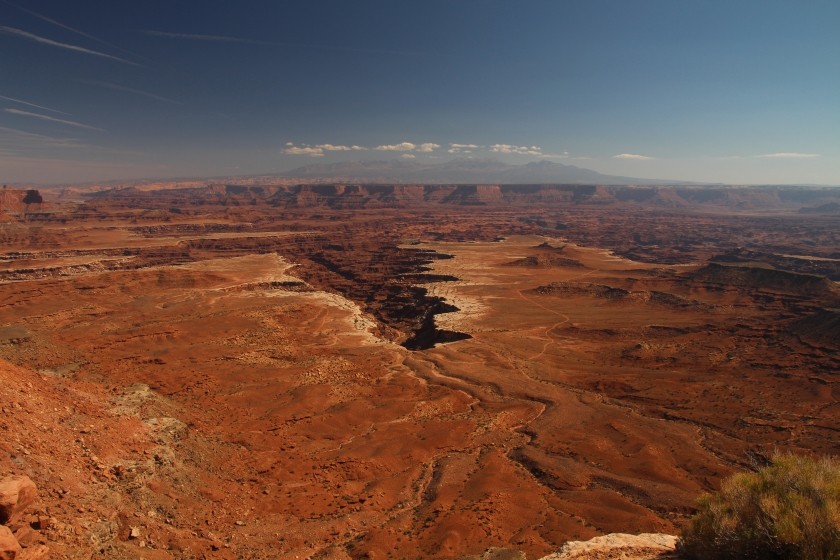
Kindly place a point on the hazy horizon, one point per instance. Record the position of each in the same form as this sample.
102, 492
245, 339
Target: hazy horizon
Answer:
709, 92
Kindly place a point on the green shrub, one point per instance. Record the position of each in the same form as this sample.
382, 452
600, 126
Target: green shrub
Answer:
788, 510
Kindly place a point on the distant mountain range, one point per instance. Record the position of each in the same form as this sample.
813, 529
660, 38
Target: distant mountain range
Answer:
464, 170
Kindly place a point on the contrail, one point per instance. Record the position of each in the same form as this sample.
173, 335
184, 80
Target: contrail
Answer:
116, 87
199, 37
229, 39
45, 41
51, 119
33, 105
67, 27
23, 136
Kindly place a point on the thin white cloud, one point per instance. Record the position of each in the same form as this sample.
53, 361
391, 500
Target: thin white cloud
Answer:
21, 143
425, 148
636, 157
202, 37
410, 148
520, 150
68, 28
318, 151
139, 92
789, 155
51, 119
244, 41
12, 99
408, 156
43, 40
310, 151
402, 147
334, 148
19, 137
462, 148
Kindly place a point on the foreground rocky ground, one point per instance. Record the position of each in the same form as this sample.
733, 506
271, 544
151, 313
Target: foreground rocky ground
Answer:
237, 380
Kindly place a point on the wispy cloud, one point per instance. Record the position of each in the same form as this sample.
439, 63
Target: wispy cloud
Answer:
73, 142
425, 147
564, 155
133, 91
311, 151
520, 150
12, 99
636, 157
247, 41
319, 150
455, 148
410, 150
16, 141
401, 147
21, 144
201, 37
789, 155
68, 28
43, 40
334, 148
51, 119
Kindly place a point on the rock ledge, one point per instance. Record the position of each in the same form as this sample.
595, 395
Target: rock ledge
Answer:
645, 546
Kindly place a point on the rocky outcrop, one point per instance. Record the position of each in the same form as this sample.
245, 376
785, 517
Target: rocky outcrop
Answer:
9, 546
16, 494
763, 278
17, 536
646, 546
614, 546
14, 201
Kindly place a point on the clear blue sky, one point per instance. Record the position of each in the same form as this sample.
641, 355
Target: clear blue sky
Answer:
729, 91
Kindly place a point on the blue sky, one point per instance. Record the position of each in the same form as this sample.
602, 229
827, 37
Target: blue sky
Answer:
734, 92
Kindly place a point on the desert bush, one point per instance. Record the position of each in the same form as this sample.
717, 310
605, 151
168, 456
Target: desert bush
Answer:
787, 510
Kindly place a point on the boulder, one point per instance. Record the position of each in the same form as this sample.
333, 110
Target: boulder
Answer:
9, 547
16, 494
25, 536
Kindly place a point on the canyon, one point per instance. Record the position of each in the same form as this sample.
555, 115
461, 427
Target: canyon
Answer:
288, 370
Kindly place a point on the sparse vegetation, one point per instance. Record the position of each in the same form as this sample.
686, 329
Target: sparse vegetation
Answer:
788, 510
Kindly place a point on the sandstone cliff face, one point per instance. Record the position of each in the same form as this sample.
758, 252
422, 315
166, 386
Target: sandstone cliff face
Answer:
14, 201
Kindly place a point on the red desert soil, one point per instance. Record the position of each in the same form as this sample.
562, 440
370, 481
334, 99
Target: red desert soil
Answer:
232, 379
